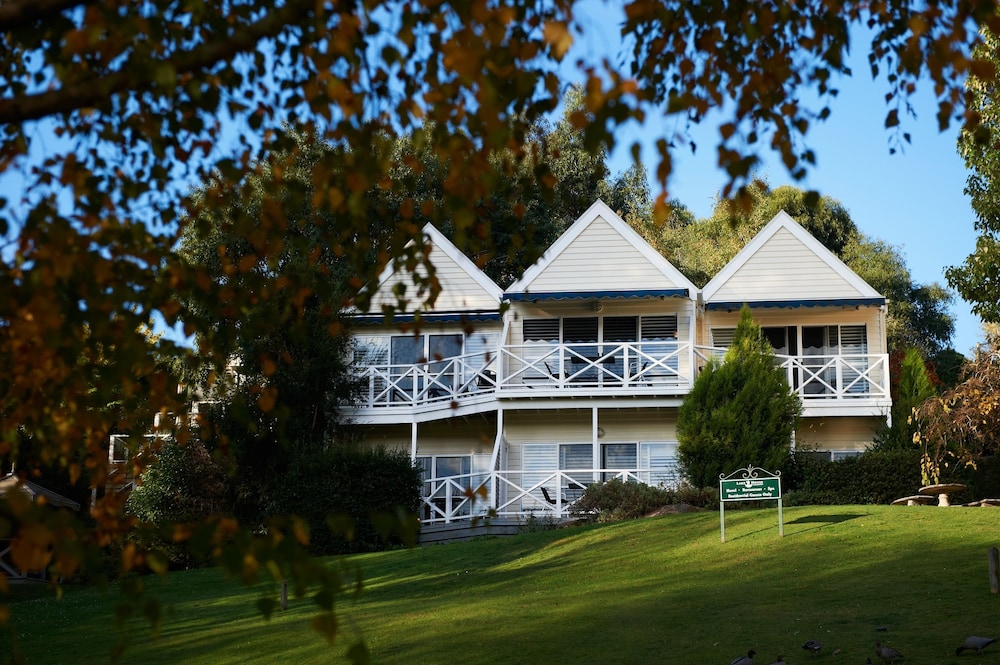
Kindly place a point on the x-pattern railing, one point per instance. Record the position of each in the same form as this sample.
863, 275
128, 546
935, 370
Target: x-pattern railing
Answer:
519, 493
444, 380
827, 377
587, 364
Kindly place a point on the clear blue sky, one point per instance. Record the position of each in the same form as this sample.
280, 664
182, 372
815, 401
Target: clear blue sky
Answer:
912, 199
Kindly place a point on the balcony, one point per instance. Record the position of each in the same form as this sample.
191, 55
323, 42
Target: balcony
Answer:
548, 494
602, 369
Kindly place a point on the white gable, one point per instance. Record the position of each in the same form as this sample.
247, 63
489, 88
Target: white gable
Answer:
600, 252
784, 262
464, 287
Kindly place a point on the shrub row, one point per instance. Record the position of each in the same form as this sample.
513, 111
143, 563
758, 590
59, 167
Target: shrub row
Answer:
350, 497
617, 500
876, 476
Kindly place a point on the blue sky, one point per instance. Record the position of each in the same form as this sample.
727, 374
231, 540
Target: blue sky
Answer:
912, 199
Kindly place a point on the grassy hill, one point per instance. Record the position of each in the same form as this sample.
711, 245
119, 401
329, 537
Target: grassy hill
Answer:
656, 590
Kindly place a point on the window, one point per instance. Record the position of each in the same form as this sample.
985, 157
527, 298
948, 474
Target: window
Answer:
658, 463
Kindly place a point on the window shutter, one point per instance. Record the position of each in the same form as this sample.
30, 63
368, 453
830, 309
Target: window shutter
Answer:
538, 462
659, 328
722, 338
580, 329
541, 330
619, 328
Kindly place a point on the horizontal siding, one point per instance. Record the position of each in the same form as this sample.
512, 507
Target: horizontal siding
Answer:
453, 437
600, 259
459, 291
843, 433
785, 269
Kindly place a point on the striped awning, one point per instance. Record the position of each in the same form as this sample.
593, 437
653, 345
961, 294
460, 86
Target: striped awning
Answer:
541, 296
791, 304
427, 317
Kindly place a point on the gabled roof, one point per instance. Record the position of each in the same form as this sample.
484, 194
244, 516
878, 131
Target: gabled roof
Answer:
637, 269
479, 292
34, 492
743, 275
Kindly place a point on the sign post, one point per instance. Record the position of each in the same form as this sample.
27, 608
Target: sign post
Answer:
749, 484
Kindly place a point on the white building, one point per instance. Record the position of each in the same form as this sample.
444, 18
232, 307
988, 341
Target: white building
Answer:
574, 373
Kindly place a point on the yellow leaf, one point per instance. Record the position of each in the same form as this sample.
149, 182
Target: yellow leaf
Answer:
326, 625
557, 34
267, 399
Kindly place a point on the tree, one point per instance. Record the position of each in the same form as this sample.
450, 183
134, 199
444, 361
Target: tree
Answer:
918, 313
111, 111
962, 425
278, 399
739, 412
184, 485
909, 392
978, 278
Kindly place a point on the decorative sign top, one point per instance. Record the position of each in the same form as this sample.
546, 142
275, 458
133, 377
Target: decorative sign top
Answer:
750, 484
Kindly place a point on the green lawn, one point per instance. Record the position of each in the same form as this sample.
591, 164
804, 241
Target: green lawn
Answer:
654, 590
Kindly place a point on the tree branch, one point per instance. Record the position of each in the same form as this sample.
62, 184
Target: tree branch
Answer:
15, 13
89, 92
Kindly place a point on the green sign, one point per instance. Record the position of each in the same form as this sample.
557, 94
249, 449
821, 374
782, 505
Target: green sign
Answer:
749, 484
750, 489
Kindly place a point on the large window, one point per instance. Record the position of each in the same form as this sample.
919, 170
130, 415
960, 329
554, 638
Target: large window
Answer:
601, 348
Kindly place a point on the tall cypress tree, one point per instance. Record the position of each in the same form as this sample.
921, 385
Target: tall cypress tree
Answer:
739, 412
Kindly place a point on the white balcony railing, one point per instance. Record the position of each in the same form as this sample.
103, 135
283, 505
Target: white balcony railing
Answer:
436, 381
634, 365
613, 368
829, 377
520, 494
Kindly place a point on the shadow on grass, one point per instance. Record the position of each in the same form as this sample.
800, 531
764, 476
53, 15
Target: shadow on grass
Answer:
818, 520
826, 519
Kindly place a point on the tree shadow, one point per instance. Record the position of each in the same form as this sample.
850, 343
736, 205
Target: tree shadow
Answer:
826, 519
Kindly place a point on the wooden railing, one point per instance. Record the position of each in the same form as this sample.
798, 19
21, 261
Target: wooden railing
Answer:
625, 367
522, 494
828, 377
633, 365
436, 381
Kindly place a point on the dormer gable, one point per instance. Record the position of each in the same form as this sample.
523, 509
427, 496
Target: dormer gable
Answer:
600, 255
465, 289
784, 265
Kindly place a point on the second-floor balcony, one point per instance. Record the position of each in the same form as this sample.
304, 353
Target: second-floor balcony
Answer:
596, 369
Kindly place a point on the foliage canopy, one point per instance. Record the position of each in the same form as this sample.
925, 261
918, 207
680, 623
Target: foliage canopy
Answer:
110, 111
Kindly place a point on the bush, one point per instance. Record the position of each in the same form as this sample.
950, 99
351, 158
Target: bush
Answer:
876, 476
348, 496
183, 484
617, 500
738, 413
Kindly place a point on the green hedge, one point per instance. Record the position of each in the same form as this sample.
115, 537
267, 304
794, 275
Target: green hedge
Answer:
349, 496
876, 476
617, 500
